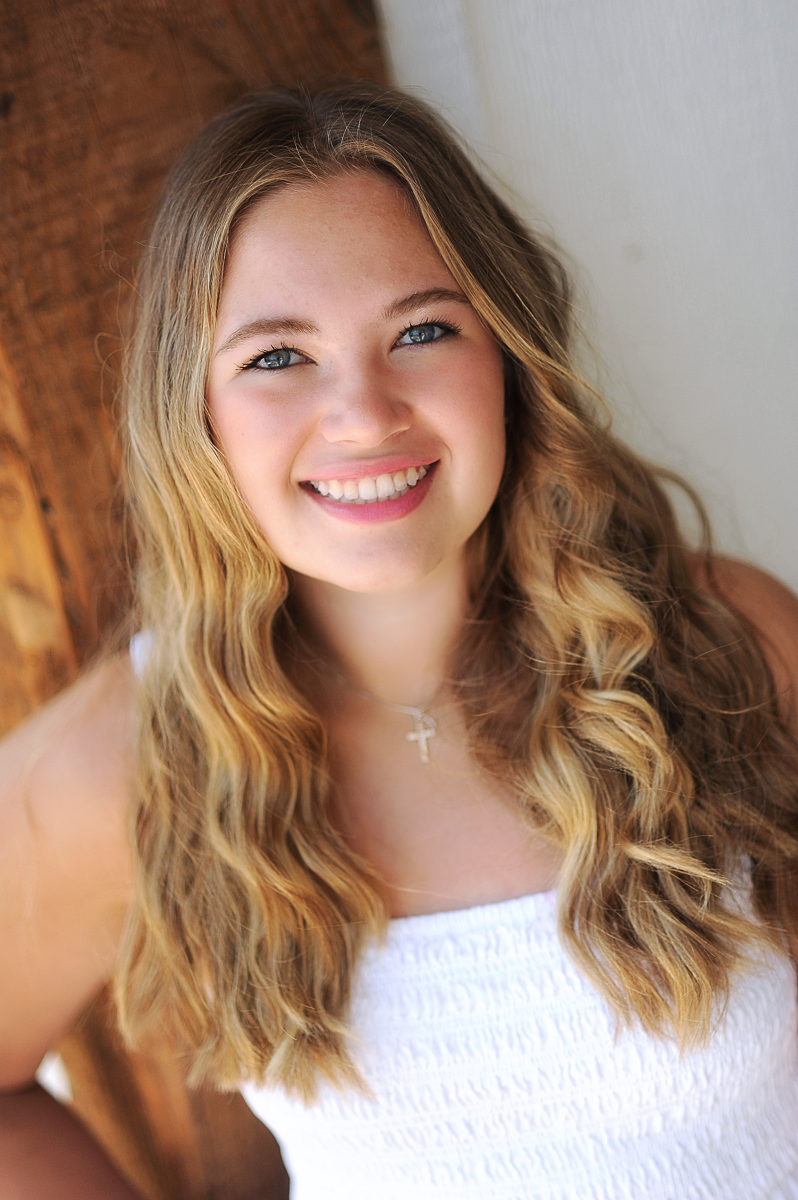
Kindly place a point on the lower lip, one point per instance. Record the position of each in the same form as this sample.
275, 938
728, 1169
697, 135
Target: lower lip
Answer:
378, 510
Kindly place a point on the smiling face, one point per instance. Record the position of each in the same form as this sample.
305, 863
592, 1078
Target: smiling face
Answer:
355, 393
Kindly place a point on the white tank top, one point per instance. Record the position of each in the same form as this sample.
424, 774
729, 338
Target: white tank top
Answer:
497, 1076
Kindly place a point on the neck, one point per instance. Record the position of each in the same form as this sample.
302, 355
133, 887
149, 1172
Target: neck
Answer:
394, 645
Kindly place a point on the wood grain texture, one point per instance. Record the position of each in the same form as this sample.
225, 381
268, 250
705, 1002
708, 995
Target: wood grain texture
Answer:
97, 99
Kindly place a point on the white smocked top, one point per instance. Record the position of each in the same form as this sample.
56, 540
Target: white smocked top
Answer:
496, 1075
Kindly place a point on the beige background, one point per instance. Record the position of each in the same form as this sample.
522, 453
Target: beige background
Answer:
656, 140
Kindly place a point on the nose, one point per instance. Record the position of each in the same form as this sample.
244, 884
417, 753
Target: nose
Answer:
364, 410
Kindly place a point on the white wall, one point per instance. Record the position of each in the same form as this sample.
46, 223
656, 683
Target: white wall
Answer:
657, 140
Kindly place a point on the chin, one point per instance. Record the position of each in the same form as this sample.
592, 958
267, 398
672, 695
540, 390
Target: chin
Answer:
377, 577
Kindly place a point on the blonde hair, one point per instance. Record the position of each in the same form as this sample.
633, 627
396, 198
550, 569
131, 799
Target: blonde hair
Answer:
632, 716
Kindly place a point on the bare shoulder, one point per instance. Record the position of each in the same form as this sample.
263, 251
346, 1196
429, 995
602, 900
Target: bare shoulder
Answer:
65, 868
72, 759
771, 608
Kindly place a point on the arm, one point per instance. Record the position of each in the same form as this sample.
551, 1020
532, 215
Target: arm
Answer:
46, 1154
65, 881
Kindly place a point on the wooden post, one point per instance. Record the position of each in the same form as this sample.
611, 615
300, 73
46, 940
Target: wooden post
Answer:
97, 99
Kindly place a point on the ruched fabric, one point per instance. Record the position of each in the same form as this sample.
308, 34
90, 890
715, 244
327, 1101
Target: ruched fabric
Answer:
496, 1074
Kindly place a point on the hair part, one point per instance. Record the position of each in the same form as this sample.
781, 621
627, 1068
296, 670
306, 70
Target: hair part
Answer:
633, 715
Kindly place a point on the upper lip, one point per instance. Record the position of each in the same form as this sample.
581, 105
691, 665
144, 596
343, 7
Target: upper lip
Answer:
365, 470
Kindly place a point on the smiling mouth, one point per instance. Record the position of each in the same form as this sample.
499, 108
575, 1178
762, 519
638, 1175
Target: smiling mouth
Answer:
371, 489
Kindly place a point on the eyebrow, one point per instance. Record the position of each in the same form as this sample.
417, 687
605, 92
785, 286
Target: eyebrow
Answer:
267, 327
282, 326
418, 299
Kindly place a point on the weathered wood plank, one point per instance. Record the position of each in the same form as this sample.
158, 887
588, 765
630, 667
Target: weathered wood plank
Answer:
97, 98
36, 653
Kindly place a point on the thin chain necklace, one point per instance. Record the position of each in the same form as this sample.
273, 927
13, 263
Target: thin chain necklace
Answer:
424, 726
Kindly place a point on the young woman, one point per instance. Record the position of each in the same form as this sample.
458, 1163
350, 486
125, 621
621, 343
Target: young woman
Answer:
465, 803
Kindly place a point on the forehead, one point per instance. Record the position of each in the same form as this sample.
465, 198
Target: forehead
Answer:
360, 197
356, 227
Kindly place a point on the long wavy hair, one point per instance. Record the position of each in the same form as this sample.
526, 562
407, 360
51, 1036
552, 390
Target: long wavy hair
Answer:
630, 715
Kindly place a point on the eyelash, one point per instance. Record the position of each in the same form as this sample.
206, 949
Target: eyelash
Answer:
450, 327
253, 362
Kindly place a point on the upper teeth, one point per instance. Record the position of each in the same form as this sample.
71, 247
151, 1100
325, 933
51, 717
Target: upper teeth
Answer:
370, 488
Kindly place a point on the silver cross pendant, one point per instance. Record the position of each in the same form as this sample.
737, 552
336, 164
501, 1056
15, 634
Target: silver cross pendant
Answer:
425, 728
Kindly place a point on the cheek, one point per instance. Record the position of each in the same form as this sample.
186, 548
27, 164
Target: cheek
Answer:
481, 421
256, 438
